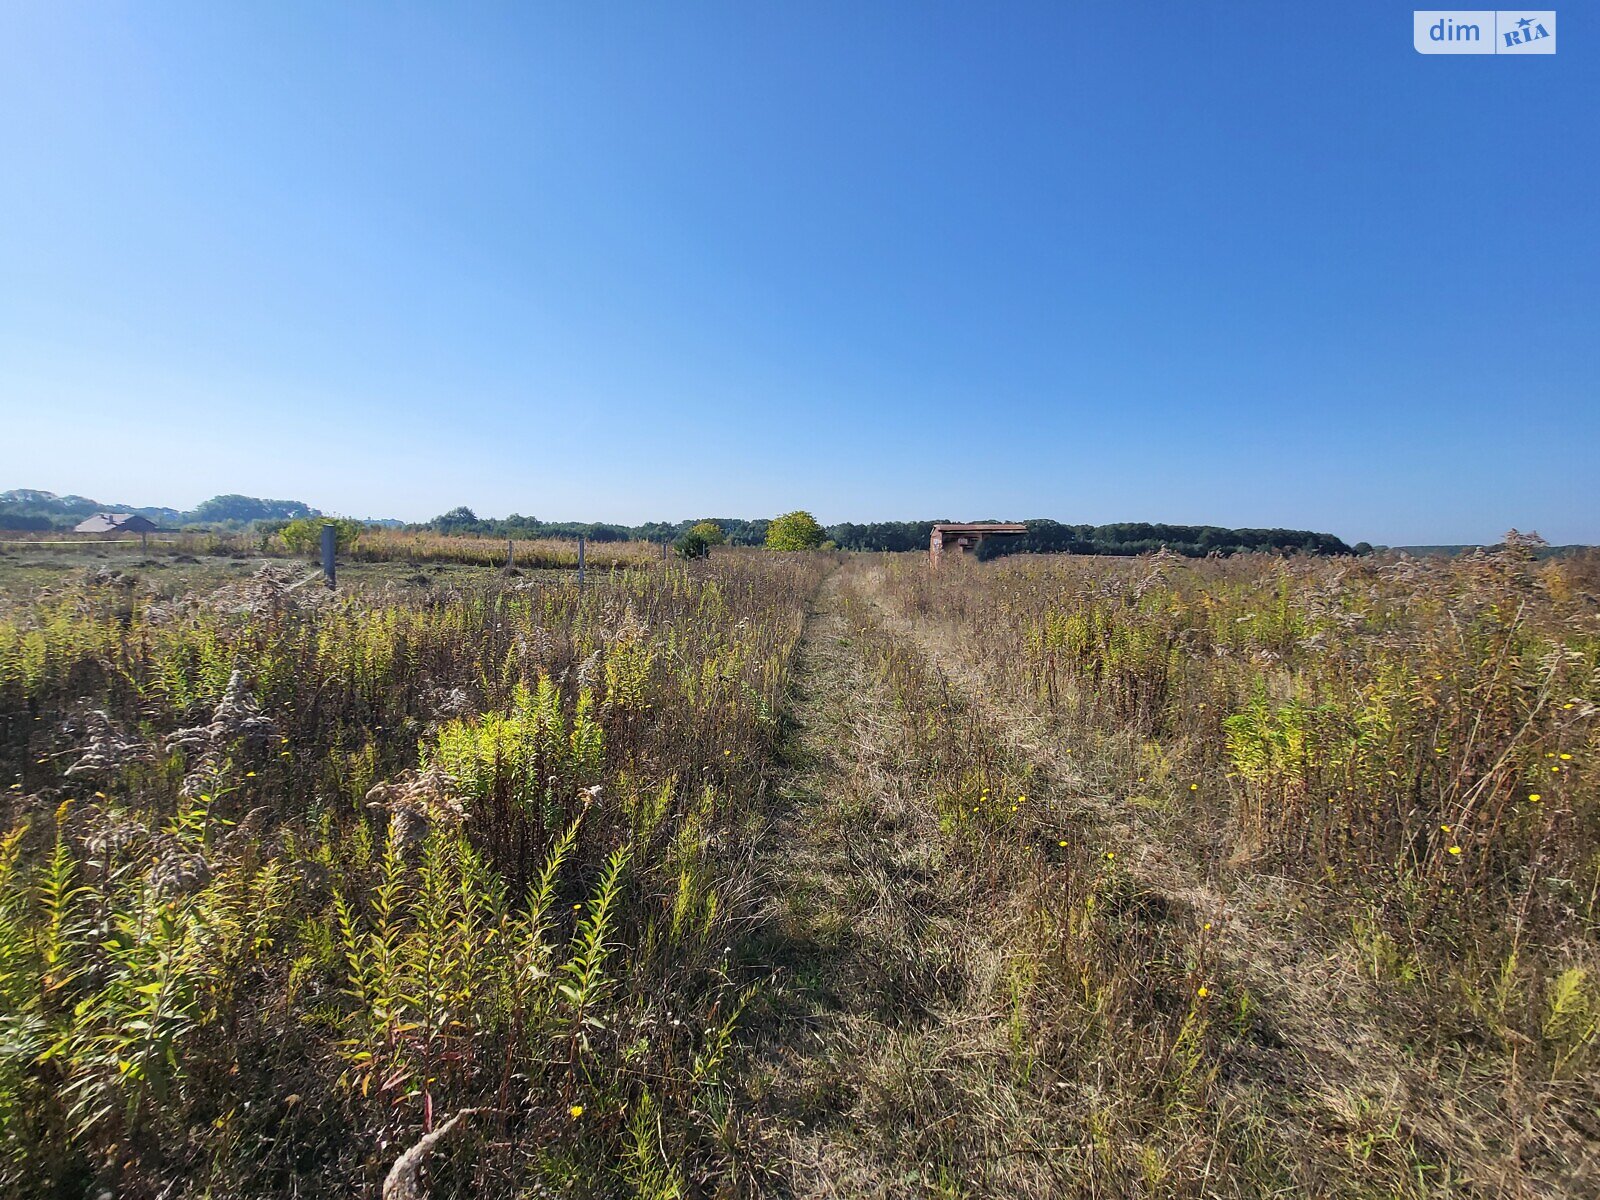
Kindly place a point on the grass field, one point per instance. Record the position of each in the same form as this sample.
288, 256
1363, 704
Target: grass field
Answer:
53, 551
799, 874
171, 571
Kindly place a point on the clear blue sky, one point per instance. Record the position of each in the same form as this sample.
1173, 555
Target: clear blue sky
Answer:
1236, 263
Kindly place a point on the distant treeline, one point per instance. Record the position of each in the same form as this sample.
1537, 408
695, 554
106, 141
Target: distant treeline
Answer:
1043, 536
29, 509
34, 509
1127, 537
463, 522
1141, 537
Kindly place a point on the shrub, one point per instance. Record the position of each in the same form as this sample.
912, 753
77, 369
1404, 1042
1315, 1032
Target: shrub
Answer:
797, 530
693, 544
304, 534
710, 532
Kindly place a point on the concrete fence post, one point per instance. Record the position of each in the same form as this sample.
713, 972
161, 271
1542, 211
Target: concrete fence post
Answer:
580, 561
330, 543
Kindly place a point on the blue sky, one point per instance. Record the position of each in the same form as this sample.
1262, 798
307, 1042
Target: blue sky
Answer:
1234, 263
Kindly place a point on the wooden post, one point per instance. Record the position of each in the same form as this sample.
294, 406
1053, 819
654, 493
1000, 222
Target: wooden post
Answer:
663, 549
330, 541
580, 562
511, 554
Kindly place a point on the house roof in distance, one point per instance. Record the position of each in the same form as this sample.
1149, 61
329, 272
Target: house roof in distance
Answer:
115, 523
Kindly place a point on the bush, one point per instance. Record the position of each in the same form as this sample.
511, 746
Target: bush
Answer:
797, 530
709, 532
693, 544
304, 535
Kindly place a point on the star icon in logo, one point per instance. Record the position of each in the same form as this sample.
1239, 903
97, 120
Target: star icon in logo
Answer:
1525, 22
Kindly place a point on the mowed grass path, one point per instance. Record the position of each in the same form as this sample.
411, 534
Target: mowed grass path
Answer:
880, 1064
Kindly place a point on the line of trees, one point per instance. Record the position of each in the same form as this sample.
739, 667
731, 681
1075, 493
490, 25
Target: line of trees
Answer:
463, 522
1142, 537
1127, 537
1043, 536
31, 509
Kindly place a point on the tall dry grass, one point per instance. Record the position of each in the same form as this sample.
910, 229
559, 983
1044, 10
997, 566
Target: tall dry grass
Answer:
1414, 742
372, 545
290, 879
393, 545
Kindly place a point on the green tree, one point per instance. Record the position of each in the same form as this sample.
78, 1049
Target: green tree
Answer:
709, 532
797, 530
236, 508
304, 536
692, 545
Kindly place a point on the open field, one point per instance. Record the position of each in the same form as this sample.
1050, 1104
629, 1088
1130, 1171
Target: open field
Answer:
800, 875
160, 571
52, 550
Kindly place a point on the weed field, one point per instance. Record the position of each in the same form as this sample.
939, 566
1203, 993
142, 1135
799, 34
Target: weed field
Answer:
366, 544
800, 875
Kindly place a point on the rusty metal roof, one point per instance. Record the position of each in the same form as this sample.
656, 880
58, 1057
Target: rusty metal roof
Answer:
981, 527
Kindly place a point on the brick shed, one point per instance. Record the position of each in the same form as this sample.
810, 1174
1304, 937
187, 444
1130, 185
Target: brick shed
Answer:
963, 537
